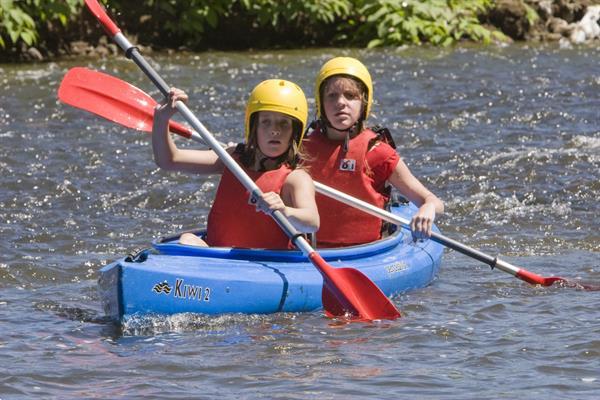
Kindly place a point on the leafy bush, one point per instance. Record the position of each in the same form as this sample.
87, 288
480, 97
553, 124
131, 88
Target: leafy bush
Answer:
439, 22
16, 24
313, 13
20, 21
172, 21
196, 23
199, 24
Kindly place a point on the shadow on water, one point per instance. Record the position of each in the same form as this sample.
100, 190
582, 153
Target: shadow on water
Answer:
109, 327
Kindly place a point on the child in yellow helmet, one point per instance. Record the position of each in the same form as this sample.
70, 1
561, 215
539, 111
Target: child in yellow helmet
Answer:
276, 115
344, 154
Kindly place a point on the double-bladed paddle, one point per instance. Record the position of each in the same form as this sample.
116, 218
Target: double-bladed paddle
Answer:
125, 104
347, 292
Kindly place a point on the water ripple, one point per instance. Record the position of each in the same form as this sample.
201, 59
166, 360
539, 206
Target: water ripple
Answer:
507, 136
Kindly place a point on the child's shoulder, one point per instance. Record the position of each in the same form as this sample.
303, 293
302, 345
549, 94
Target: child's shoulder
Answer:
298, 175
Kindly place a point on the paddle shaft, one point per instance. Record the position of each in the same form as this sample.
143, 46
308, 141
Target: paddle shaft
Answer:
493, 262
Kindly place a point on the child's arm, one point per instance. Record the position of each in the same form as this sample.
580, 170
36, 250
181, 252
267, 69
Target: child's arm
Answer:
166, 153
297, 201
429, 204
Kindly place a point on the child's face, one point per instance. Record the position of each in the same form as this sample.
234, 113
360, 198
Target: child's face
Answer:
342, 102
274, 132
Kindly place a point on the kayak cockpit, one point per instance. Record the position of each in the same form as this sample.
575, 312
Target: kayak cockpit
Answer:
171, 246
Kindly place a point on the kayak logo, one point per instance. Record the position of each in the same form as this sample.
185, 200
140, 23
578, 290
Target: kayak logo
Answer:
347, 164
183, 291
191, 292
162, 288
396, 267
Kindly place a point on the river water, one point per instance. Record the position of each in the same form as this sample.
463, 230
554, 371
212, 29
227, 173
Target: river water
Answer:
508, 137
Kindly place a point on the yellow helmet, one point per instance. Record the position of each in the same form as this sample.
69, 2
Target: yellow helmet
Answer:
344, 66
280, 96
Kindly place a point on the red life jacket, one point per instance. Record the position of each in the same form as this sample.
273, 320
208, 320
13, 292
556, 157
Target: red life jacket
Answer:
342, 225
232, 222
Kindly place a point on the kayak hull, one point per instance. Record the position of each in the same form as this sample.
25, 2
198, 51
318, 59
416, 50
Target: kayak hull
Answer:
173, 278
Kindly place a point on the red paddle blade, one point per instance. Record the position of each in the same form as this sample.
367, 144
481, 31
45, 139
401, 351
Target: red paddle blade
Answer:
113, 99
103, 95
588, 287
361, 300
536, 279
109, 26
349, 293
570, 284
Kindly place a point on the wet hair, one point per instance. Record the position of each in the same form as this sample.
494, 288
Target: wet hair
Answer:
291, 157
352, 83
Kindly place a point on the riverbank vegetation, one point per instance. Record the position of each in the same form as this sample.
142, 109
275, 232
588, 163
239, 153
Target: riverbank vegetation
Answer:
39, 29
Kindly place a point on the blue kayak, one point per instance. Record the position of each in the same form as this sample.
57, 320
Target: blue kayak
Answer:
171, 278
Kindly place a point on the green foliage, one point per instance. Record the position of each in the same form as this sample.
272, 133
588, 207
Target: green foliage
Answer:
439, 22
313, 12
20, 21
54, 10
190, 22
186, 19
194, 23
532, 15
16, 24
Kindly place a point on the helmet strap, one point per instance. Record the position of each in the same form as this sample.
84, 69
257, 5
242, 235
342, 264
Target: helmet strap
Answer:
346, 143
324, 123
277, 159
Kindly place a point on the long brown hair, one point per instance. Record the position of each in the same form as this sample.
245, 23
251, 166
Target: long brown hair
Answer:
353, 84
292, 157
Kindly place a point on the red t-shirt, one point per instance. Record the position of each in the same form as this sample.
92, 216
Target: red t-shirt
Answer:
382, 160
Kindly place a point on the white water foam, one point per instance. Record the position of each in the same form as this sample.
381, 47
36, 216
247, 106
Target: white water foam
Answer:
586, 142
